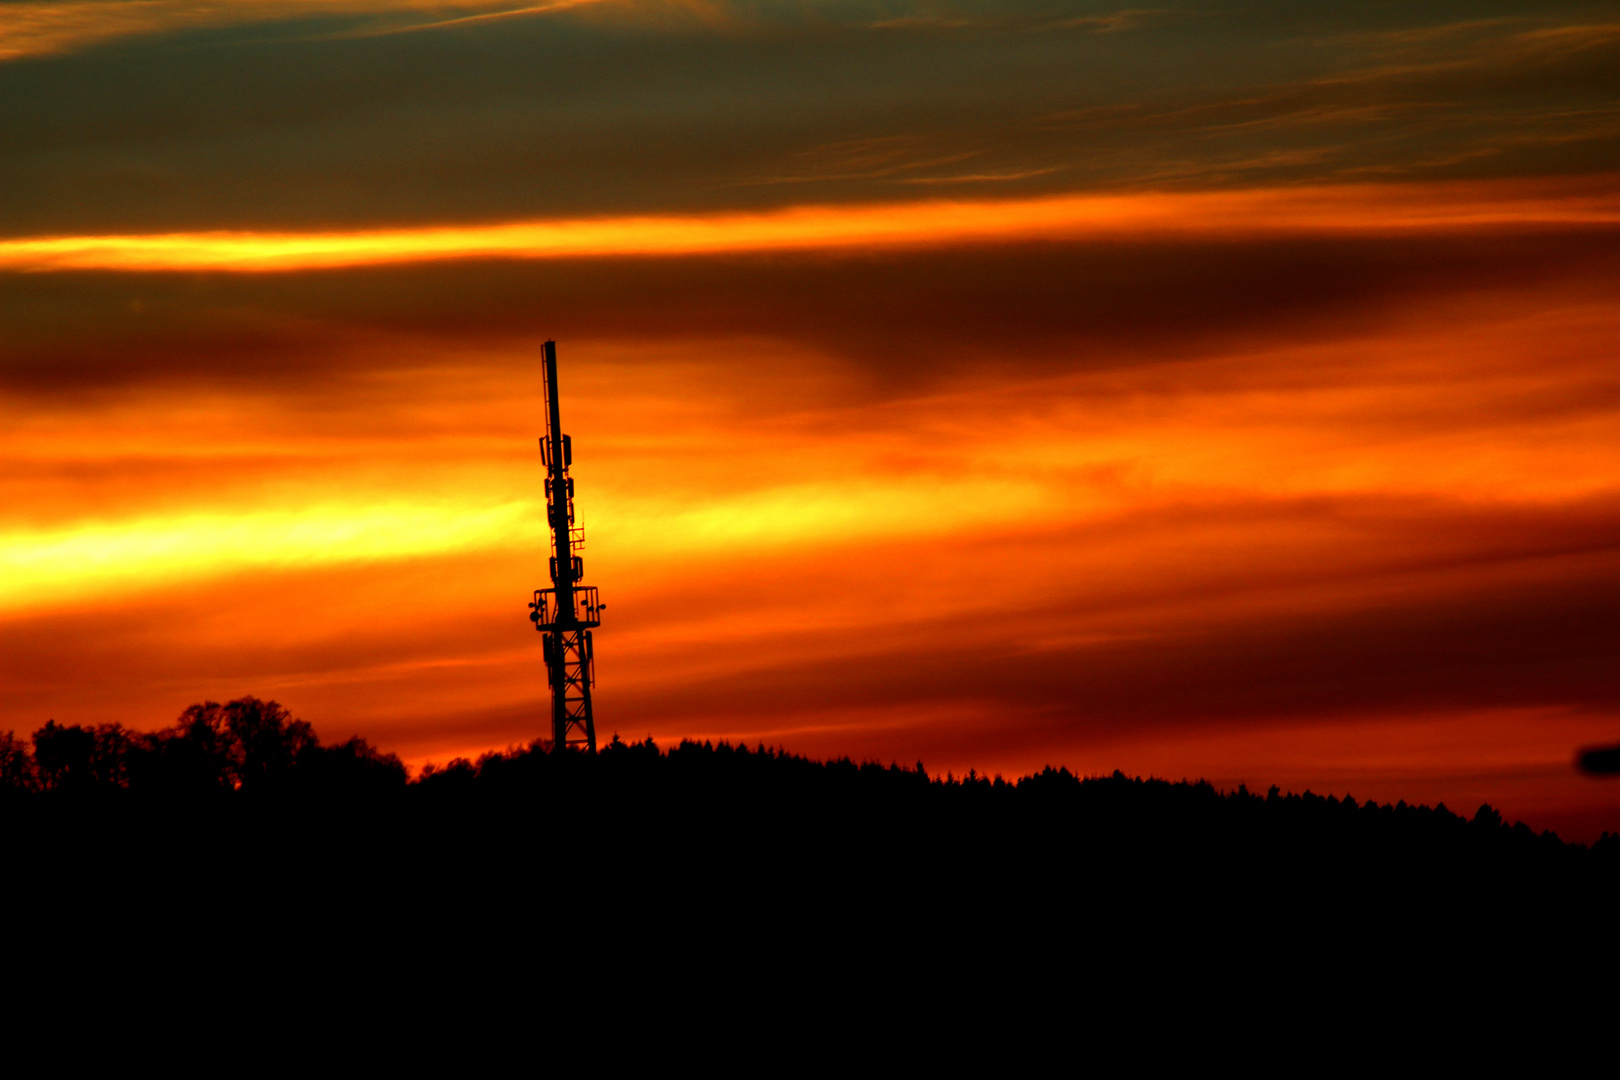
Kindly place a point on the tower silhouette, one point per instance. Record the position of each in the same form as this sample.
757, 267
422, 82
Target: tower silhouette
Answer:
565, 613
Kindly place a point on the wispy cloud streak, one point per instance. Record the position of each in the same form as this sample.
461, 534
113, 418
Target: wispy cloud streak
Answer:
45, 27
914, 224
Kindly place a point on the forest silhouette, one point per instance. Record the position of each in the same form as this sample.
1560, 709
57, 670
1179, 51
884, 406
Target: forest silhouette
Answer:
245, 784
235, 844
236, 836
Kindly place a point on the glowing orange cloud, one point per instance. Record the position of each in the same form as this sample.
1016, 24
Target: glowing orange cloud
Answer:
1360, 208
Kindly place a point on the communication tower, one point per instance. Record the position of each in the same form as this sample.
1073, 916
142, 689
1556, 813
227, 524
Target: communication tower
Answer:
566, 613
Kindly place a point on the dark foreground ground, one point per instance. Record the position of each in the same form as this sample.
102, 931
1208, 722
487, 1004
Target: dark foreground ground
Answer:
242, 836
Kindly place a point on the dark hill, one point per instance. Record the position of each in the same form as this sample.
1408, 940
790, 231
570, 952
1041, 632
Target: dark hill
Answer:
240, 805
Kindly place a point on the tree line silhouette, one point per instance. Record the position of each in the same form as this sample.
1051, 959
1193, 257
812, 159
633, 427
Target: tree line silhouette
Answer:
251, 753
252, 746
239, 811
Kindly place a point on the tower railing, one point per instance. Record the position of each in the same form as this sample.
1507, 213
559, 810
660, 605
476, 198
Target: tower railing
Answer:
546, 612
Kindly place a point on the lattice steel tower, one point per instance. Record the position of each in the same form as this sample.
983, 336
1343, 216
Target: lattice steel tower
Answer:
566, 613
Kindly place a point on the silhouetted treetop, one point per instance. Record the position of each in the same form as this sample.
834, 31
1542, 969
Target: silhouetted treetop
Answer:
247, 745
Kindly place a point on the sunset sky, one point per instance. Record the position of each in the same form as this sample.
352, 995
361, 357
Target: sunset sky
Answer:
1221, 390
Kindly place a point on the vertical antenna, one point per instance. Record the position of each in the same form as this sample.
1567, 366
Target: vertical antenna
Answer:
566, 613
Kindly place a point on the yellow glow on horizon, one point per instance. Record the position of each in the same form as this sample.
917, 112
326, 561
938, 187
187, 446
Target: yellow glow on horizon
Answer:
1161, 440
46, 566
924, 223
63, 564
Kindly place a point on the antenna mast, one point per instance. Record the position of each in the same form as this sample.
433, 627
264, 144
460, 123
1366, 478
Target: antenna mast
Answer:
566, 613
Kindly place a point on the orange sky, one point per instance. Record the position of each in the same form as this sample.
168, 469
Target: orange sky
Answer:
1270, 442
